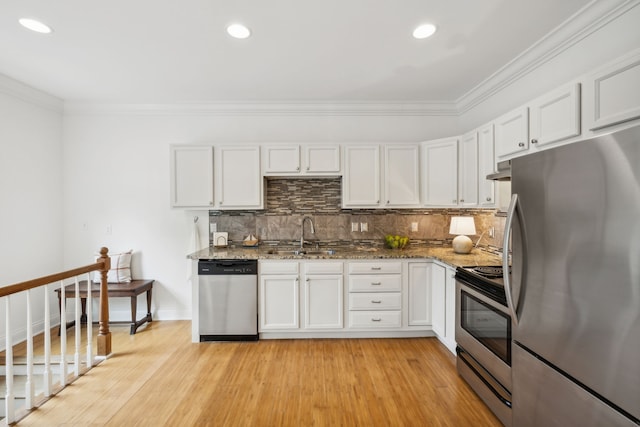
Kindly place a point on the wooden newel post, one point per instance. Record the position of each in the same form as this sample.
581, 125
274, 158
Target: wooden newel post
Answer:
104, 335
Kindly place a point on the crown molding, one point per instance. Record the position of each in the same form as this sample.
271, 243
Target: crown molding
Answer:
26, 93
583, 23
252, 109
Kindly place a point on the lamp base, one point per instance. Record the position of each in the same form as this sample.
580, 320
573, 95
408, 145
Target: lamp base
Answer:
462, 244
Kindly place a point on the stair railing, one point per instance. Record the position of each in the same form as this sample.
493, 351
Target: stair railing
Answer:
102, 264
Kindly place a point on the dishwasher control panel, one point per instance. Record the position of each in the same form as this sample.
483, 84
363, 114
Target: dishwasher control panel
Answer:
226, 267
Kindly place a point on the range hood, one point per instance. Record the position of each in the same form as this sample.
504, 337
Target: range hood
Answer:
503, 173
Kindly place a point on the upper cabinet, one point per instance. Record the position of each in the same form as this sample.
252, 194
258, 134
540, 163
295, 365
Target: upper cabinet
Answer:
318, 160
440, 171
486, 165
551, 118
364, 186
192, 176
239, 183
468, 170
612, 93
236, 173
402, 175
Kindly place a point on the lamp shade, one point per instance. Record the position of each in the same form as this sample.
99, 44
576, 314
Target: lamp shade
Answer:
462, 225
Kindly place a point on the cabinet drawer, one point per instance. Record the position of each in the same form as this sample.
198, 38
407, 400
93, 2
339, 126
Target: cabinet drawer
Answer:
278, 267
323, 267
375, 319
375, 301
375, 283
375, 268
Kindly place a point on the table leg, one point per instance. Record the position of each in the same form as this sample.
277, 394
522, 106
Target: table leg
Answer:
83, 316
134, 308
149, 305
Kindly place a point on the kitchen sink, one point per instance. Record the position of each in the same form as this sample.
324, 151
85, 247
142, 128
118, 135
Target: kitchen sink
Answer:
301, 252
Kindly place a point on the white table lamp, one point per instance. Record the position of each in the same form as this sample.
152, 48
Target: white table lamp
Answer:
462, 226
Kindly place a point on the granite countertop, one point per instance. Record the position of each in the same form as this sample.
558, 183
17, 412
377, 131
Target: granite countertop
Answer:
444, 254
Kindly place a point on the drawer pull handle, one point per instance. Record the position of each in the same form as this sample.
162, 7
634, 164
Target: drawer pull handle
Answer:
376, 283
376, 319
376, 268
373, 301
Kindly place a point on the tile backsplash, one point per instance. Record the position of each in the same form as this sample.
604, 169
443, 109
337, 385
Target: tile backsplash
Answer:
289, 200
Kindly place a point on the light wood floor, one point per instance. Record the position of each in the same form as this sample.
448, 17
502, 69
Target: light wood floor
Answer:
159, 378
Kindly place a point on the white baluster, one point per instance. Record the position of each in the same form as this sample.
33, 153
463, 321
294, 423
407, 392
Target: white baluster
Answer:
89, 324
29, 386
46, 375
9, 403
76, 355
63, 336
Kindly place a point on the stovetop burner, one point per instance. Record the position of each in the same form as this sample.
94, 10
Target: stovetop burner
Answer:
490, 272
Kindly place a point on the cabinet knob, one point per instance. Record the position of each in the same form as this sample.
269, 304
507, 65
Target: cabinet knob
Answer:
488, 199
374, 301
534, 141
298, 168
455, 201
307, 167
376, 283
520, 144
210, 203
461, 200
387, 202
376, 319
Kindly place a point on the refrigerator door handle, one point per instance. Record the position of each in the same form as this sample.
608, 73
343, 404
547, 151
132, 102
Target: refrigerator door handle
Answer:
511, 213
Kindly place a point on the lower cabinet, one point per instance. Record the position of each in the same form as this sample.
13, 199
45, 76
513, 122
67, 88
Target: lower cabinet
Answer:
323, 295
336, 298
443, 304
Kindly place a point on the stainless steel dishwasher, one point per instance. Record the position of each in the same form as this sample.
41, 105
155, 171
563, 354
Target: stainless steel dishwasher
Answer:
228, 300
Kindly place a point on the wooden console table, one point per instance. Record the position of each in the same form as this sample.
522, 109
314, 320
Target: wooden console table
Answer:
131, 289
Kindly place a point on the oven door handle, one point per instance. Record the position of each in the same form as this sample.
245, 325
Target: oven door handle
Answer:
514, 209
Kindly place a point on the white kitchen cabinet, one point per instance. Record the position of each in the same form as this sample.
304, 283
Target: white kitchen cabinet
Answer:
486, 165
402, 175
323, 295
443, 299
547, 120
612, 93
374, 290
192, 176
361, 176
317, 160
468, 170
440, 167
398, 186
279, 295
239, 183
419, 297
512, 133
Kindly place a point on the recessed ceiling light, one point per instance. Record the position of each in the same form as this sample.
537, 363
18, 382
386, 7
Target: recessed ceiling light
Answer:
424, 31
238, 31
35, 25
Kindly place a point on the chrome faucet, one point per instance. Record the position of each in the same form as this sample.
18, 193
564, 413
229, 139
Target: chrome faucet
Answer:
313, 231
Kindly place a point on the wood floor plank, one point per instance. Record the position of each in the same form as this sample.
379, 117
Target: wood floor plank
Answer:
157, 377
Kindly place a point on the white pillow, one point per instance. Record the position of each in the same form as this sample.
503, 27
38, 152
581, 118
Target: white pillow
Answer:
120, 268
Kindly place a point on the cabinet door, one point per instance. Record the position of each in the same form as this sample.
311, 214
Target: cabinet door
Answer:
486, 165
555, 116
419, 294
402, 176
279, 302
441, 172
239, 183
322, 159
323, 301
361, 177
468, 170
283, 159
613, 93
512, 132
191, 176
438, 300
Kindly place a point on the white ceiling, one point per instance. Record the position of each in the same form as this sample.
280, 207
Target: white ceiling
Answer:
150, 51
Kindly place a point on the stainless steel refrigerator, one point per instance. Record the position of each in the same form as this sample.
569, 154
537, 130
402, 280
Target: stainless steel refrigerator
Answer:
574, 291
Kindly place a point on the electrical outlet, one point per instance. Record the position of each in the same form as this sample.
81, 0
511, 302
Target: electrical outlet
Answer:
354, 226
213, 227
364, 227
109, 229
414, 226
492, 232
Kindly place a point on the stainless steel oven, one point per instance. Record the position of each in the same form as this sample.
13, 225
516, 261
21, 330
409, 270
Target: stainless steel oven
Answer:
483, 335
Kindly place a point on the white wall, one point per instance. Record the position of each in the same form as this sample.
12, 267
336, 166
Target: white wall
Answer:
31, 242
601, 45
117, 174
